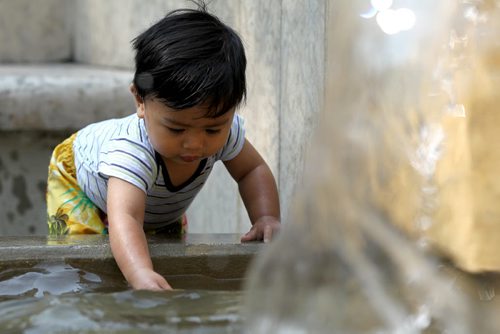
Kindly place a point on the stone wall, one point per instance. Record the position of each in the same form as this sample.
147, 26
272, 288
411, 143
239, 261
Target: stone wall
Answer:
30, 32
284, 41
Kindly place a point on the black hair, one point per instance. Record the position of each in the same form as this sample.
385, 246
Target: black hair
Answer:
190, 58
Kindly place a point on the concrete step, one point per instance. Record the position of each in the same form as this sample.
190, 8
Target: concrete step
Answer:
61, 96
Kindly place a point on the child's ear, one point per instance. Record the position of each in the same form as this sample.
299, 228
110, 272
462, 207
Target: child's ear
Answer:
139, 102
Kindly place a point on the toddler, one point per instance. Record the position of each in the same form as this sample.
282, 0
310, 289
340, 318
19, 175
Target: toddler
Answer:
138, 174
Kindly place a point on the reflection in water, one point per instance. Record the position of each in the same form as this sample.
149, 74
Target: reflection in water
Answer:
392, 153
45, 278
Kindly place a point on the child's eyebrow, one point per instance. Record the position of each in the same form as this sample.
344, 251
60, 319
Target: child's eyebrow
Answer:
182, 124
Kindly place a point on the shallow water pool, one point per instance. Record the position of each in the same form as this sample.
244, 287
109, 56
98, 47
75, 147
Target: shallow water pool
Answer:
72, 285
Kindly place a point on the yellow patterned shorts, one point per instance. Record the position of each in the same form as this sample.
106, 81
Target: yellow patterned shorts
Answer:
69, 210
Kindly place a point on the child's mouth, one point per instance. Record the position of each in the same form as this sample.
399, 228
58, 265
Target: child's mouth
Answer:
189, 158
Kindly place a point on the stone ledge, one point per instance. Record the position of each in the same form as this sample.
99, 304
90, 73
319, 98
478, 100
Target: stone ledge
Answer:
97, 247
220, 258
61, 96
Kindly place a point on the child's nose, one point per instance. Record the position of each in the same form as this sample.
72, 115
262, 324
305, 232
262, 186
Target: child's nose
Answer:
193, 142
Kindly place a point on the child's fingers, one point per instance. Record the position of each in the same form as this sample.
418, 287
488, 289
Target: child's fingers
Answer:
249, 236
268, 233
165, 286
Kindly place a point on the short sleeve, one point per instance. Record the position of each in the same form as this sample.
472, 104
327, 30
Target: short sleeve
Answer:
235, 140
128, 160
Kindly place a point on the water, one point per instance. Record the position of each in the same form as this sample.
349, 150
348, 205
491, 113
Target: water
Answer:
178, 311
54, 278
390, 178
56, 297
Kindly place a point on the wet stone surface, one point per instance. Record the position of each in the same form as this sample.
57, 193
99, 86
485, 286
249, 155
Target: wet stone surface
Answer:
207, 261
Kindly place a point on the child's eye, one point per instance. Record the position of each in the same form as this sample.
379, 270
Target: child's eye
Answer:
175, 130
212, 131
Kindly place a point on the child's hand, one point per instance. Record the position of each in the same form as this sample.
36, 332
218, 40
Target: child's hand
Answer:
262, 229
147, 279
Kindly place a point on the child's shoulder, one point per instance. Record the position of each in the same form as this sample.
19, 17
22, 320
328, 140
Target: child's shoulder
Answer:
238, 122
128, 124
235, 140
129, 128
111, 122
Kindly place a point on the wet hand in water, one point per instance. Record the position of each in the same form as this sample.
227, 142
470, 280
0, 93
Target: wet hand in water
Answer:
263, 229
147, 279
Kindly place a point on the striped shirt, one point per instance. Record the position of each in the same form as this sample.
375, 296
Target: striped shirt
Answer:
121, 148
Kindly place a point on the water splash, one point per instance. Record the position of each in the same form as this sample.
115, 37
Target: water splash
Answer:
384, 160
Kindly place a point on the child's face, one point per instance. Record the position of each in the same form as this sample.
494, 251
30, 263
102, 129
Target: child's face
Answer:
185, 136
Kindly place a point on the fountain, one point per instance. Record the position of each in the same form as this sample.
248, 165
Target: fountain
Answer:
393, 230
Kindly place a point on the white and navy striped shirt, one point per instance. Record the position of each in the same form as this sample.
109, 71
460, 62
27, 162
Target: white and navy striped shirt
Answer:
121, 148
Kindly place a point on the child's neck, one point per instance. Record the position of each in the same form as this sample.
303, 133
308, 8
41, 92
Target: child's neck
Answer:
180, 173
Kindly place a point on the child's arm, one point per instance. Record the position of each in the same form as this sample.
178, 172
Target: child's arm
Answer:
258, 191
126, 205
